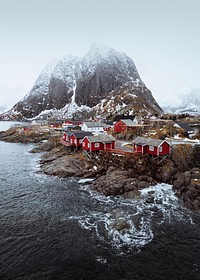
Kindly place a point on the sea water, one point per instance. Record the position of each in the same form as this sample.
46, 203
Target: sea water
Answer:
54, 228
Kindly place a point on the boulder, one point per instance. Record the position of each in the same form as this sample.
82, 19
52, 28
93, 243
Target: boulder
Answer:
132, 194
182, 180
195, 172
121, 224
167, 171
63, 167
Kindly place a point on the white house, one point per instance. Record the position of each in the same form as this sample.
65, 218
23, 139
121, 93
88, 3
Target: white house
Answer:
97, 127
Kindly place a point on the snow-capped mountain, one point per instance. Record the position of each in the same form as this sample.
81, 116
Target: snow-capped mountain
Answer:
189, 104
103, 82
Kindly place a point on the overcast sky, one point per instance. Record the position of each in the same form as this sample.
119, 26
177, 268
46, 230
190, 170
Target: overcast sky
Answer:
161, 36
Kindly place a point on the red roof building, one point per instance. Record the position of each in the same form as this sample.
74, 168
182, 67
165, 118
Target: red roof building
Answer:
151, 146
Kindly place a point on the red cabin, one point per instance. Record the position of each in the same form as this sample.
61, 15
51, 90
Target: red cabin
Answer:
151, 146
66, 136
76, 137
56, 124
124, 125
98, 143
72, 122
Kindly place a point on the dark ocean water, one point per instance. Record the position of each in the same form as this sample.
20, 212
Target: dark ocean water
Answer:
52, 228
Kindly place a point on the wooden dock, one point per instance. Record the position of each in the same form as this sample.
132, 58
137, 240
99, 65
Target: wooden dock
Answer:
65, 143
120, 152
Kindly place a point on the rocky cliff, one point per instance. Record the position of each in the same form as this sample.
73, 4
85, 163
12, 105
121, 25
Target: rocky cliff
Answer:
103, 82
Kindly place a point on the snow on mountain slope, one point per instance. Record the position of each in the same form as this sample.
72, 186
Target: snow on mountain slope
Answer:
100, 54
189, 103
64, 69
71, 85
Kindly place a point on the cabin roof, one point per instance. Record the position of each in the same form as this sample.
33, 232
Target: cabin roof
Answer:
101, 138
56, 122
122, 117
148, 141
128, 122
94, 124
69, 132
185, 126
62, 129
81, 134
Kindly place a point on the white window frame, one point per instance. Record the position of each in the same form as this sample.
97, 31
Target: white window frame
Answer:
151, 148
96, 145
88, 145
160, 149
83, 144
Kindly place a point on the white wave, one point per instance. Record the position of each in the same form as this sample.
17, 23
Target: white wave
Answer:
83, 181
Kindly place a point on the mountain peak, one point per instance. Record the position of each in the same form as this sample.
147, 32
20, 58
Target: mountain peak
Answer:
98, 50
101, 48
71, 83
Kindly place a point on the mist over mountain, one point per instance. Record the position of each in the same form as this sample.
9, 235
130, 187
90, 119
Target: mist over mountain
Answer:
189, 103
2, 109
103, 83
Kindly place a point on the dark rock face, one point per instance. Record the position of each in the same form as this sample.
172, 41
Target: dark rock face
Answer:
197, 155
167, 171
101, 74
108, 74
59, 94
187, 186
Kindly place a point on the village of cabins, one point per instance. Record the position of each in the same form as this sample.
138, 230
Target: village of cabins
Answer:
94, 136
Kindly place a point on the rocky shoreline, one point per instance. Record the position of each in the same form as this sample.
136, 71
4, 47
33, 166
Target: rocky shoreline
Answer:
114, 174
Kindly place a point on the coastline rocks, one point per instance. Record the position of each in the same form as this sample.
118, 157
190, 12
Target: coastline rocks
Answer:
182, 180
167, 171
191, 198
17, 134
111, 184
113, 174
187, 186
117, 183
63, 167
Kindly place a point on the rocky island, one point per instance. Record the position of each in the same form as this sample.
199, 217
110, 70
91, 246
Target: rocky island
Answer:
114, 174
102, 85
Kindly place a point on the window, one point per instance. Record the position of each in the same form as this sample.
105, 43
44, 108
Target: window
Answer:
160, 149
96, 145
80, 141
75, 142
88, 145
151, 148
83, 144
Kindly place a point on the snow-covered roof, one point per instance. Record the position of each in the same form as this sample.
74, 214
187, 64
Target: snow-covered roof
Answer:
100, 138
128, 122
148, 141
94, 124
